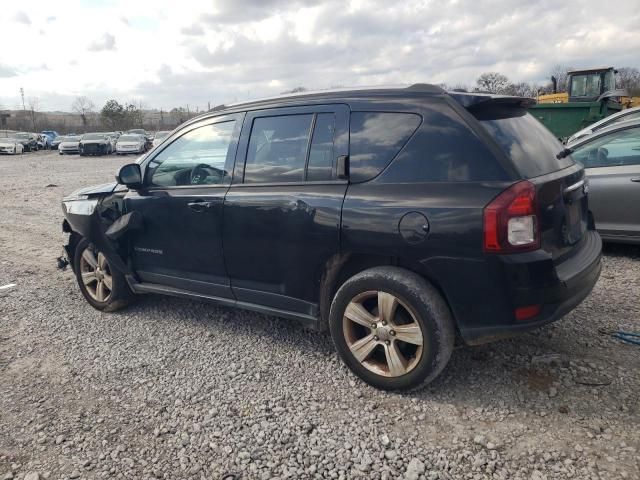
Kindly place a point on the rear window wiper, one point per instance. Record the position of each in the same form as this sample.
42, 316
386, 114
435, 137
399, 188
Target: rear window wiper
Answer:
564, 153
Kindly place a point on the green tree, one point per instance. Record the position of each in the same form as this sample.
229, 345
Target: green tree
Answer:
113, 114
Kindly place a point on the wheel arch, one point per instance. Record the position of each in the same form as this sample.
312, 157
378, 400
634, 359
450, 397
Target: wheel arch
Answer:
340, 267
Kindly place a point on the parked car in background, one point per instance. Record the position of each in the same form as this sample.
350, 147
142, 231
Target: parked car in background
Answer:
130, 143
52, 134
96, 144
69, 144
396, 219
611, 157
159, 137
44, 143
621, 116
11, 146
143, 132
29, 141
56, 141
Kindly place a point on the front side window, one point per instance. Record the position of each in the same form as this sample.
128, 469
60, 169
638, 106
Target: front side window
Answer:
616, 149
196, 158
277, 149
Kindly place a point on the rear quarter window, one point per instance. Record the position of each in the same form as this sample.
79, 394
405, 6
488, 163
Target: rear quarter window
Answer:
375, 139
530, 146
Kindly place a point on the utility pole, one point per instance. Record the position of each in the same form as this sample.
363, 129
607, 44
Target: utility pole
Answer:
24, 109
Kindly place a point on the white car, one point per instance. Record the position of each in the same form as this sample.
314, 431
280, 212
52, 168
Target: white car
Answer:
69, 144
11, 146
130, 143
159, 137
621, 116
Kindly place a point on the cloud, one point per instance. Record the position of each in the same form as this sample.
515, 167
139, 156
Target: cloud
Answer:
243, 11
192, 30
106, 42
22, 17
6, 71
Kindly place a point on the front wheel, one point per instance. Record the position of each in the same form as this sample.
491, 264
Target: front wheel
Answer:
392, 328
105, 289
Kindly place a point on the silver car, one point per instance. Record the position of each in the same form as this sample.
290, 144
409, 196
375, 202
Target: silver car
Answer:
611, 158
621, 116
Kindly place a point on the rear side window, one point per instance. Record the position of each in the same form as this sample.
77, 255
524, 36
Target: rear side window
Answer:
278, 149
530, 146
375, 139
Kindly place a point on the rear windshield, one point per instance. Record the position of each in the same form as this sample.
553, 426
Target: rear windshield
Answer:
531, 147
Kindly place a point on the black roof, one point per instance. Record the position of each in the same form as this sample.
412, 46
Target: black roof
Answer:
467, 100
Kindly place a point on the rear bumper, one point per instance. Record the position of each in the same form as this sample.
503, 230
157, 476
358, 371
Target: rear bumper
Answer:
531, 279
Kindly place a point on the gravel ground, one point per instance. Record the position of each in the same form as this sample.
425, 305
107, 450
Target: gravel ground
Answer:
174, 389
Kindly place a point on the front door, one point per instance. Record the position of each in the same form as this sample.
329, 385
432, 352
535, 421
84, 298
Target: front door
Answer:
282, 212
181, 204
612, 164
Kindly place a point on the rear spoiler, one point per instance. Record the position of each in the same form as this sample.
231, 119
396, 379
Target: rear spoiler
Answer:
475, 100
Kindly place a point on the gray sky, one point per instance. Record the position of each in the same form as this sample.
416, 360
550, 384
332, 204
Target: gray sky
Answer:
168, 53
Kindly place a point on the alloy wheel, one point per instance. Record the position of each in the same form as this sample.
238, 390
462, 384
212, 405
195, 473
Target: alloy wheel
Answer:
383, 333
96, 275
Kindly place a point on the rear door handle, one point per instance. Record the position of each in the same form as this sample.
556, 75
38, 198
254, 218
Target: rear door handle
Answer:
636, 179
199, 205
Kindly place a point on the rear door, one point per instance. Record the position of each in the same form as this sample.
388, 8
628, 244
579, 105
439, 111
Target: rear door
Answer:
282, 211
612, 164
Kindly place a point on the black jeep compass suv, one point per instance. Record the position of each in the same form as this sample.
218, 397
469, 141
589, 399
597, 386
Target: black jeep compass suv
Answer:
394, 218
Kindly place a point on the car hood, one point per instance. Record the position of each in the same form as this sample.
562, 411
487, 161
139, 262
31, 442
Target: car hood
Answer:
95, 191
4, 141
69, 144
129, 144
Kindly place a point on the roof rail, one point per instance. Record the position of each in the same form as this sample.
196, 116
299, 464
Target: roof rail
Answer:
426, 88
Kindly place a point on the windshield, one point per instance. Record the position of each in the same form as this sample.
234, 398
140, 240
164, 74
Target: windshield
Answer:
129, 138
530, 146
22, 135
160, 135
71, 139
93, 136
587, 85
137, 131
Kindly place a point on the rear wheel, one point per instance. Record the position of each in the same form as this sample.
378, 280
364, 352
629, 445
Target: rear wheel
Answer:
392, 328
105, 289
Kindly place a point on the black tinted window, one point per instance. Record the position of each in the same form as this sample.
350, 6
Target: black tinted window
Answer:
530, 146
321, 154
278, 149
375, 139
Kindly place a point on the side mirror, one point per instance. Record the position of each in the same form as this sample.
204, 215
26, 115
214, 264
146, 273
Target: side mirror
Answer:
130, 175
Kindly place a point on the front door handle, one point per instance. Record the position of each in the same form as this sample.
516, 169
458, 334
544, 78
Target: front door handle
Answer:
200, 205
636, 179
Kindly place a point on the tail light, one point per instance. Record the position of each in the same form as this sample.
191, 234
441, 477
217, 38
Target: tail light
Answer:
510, 221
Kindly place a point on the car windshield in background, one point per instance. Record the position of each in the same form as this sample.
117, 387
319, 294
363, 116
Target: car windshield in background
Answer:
22, 135
129, 138
530, 146
94, 136
138, 132
74, 138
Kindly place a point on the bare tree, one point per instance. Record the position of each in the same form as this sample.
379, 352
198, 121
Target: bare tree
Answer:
33, 103
629, 78
492, 82
84, 107
559, 72
522, 89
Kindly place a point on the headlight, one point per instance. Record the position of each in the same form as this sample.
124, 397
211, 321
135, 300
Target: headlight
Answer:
80, 206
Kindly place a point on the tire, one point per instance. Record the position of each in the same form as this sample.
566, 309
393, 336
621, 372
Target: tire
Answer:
99, 297
420, 315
